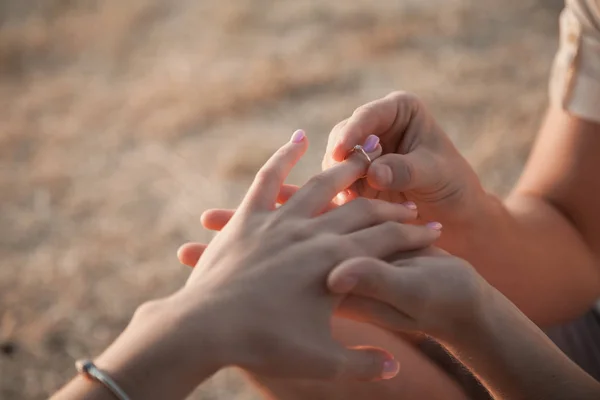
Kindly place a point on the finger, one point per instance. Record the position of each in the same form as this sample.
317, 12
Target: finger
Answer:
362, 363
331, 142
287, 191
263, 192
431, 251
318, 192
391, 237
189, 254
216, 219
377, 118
364, 309
363, 213
401, 288
401, 172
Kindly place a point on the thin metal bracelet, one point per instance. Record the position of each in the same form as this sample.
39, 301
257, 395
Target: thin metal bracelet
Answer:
90, 371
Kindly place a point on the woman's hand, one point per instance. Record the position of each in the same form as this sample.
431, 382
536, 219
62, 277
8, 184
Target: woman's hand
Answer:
265, 272
419, 161
216, 219
257, 299
419, 164
426, 291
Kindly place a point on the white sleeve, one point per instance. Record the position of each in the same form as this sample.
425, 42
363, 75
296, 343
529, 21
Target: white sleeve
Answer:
575, 77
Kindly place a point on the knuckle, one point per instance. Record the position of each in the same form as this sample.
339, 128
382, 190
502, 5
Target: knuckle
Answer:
336, 247
286, 228
366, 111
339, 126
374, 281
405, 97
299, 233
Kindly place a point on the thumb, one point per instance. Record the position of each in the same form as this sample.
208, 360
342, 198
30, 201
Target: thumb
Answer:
399, 172
366, 364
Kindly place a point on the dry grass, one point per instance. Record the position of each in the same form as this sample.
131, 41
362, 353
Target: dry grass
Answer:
121, 120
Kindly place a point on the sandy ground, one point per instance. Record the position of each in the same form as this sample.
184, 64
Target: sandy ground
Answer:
121, 121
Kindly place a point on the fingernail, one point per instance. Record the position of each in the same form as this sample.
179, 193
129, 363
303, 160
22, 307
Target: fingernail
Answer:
390, 369
434, 225
371, 143
298, 136
346, 284
411, 205
382, 175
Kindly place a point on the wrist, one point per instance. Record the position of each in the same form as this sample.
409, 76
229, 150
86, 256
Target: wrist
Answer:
159, 356
477, 331
468, 220
461, 326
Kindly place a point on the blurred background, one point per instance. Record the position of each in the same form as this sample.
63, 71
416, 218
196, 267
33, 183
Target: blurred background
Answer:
121, 121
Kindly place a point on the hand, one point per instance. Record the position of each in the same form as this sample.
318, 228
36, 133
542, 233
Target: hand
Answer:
264, 273
427, 291
419, 161
216, 219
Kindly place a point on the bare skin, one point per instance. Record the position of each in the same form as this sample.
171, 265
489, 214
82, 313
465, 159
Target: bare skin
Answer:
443, 296
548, 227
221, 316
539, 248
309, 261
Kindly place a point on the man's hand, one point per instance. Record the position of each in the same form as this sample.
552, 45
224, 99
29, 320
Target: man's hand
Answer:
425, 291
432, 292
419, 161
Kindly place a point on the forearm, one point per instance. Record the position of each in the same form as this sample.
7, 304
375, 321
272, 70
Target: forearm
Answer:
149, 362
513, 358
529, 251
541, 247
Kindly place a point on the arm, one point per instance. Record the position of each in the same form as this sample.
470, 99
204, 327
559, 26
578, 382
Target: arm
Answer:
225, 315
541, 247
514, 359
442, 296
149, 361
543, 244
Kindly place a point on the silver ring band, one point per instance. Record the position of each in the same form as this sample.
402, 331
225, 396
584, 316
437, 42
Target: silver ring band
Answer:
361, 150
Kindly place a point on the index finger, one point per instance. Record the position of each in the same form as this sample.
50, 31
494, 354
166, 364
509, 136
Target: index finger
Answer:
374, 118
317, 193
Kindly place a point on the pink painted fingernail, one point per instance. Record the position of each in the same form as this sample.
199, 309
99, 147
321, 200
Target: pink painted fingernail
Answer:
390, 369
411, 205
436, 226
298, 136
371, 143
